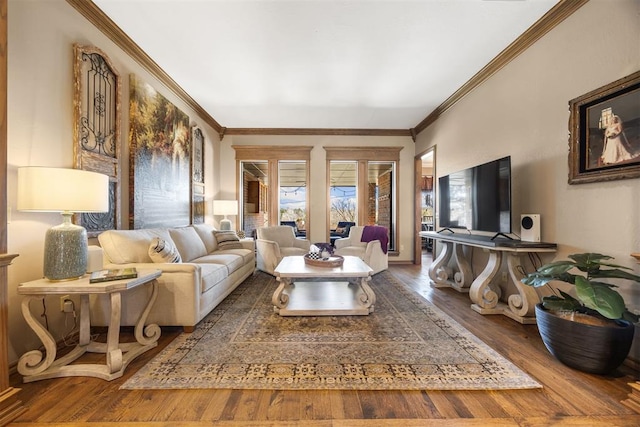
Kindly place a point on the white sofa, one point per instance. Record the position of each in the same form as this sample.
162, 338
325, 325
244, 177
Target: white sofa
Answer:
276, 242
370, 252
188, 290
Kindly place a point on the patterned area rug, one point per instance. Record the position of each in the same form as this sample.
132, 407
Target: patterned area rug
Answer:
406, 343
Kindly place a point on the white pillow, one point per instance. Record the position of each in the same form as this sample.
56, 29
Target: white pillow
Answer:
162, 251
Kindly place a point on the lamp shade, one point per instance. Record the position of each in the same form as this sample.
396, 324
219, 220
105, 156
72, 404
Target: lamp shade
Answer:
225, 207
43, 189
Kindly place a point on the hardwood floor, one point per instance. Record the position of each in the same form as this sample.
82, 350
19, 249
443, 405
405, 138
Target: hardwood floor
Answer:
568, 398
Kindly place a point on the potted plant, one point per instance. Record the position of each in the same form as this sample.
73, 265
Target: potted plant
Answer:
592, 331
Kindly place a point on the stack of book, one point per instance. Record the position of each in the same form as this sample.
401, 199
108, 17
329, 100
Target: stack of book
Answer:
113, 274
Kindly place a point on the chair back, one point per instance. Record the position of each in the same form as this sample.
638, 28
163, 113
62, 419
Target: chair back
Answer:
355, 235
283, 235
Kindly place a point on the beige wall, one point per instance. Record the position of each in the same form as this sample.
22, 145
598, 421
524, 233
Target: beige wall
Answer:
40, 133
522, 111
318, 185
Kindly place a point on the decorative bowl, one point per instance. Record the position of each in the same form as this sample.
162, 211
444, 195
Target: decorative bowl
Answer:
315, 260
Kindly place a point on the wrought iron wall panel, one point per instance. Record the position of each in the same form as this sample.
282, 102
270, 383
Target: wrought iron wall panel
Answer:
97, 129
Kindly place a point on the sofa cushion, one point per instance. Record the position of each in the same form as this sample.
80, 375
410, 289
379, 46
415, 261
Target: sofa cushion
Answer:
227, 240
212, 274
161, 251
246, 254
188, 242
231, 261
130, 246
205, 231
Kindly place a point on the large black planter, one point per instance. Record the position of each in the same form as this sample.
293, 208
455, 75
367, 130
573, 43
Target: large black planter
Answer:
588, 348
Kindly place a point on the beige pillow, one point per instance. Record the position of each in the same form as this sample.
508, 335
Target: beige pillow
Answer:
162, 251
227, 240
188, 243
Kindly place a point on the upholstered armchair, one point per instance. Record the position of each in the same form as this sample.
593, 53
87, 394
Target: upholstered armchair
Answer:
276, 242
373, 250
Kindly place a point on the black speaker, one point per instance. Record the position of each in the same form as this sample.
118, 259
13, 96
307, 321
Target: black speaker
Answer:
530, 227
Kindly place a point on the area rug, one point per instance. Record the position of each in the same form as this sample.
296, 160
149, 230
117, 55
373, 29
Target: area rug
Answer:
405, 344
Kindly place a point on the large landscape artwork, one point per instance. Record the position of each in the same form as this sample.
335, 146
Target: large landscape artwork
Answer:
159, 173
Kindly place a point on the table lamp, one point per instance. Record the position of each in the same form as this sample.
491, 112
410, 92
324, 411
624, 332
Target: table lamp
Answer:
68, 191
225, 207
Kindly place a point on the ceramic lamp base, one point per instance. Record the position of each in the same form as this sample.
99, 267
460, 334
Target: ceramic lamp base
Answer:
65, 251
225, 225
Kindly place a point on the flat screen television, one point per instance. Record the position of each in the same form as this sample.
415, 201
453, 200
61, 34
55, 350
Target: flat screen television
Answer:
477, 198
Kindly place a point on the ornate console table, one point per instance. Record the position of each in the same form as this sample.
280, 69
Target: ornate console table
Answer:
484, 295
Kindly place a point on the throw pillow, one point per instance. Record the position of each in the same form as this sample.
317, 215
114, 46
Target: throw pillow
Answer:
162, 251
340, 230
227, 240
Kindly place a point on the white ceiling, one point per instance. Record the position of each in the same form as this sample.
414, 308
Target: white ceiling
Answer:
358, 64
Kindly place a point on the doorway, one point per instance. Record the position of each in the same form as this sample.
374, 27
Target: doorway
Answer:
425, 197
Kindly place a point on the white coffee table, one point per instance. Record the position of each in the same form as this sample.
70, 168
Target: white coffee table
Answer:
307, 290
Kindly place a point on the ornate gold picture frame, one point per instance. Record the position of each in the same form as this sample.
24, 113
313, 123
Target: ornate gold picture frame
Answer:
604, 127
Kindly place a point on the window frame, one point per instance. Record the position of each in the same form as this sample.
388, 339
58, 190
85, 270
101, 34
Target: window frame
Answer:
364, 155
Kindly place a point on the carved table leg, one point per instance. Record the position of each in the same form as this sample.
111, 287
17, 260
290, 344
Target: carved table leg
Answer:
32, 362
521, 305
85, 322
438, 269
464, 276
150, 334
279, 298
484, 296
114, 352
366, 298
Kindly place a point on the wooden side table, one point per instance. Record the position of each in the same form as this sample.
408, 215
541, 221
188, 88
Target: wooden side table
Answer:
34, 366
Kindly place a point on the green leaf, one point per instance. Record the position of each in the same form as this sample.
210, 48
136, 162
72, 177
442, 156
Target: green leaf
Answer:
616, 273
601, 298
560, 304
556, 268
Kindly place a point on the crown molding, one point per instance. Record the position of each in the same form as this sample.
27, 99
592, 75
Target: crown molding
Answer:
102, 22
562, 10
317, 131
546, 23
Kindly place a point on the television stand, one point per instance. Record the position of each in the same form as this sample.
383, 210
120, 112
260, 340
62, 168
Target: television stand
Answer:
485, 295
446, 229
503, 235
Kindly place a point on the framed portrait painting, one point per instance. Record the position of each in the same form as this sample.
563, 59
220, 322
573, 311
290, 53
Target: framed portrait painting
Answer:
604, 127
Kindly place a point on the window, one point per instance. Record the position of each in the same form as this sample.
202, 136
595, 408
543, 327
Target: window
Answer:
362, 184
292, 197
343, 201
267, 173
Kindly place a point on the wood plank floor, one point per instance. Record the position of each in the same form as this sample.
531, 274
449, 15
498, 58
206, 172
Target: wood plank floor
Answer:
568, 398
